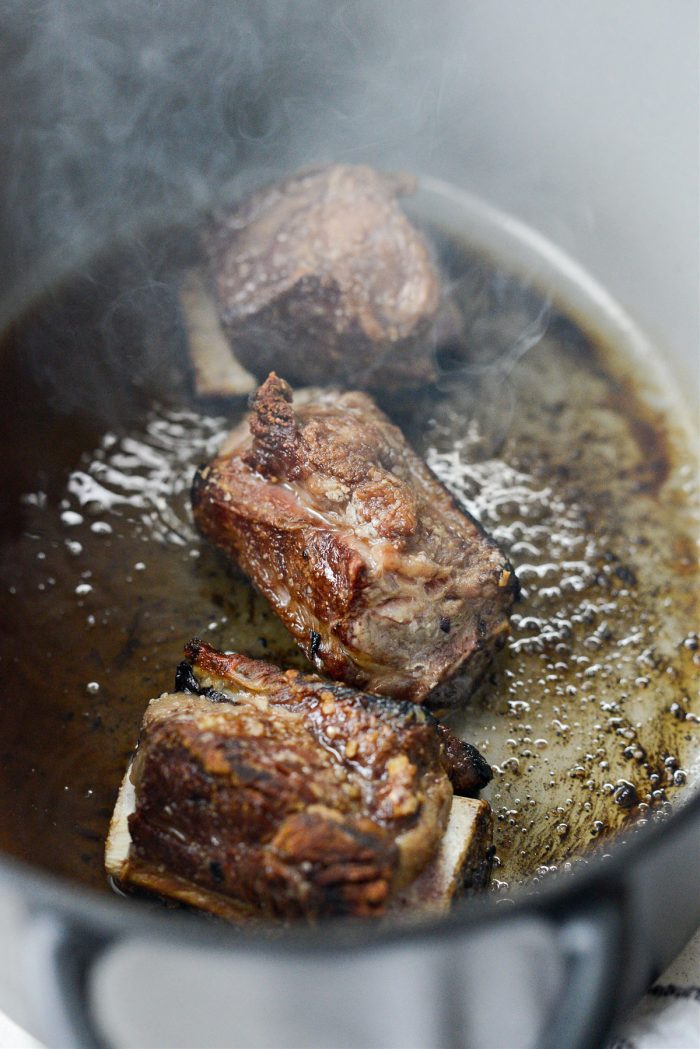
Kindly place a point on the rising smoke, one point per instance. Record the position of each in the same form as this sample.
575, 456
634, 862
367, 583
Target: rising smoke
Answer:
117, 115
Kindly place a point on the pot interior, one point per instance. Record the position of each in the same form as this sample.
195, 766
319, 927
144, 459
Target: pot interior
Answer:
581, 471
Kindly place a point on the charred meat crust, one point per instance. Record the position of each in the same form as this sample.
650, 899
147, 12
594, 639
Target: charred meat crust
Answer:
287, 794
208, 672
273, 426
383, 581
324, 271
468, 770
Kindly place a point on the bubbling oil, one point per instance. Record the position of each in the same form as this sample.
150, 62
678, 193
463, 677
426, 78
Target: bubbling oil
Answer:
588, 716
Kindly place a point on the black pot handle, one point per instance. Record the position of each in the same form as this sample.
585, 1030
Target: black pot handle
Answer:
592, 941
58, 958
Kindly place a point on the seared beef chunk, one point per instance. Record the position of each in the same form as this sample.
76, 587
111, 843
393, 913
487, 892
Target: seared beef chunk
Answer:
363, 554
277, 793
323, 276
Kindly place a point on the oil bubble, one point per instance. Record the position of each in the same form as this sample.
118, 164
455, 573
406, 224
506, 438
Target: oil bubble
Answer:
71, 518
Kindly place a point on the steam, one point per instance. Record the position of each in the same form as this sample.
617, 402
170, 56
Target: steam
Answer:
122, 117
503, 319
119, 119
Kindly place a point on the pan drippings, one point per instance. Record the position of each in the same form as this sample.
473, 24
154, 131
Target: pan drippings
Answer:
590, 714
